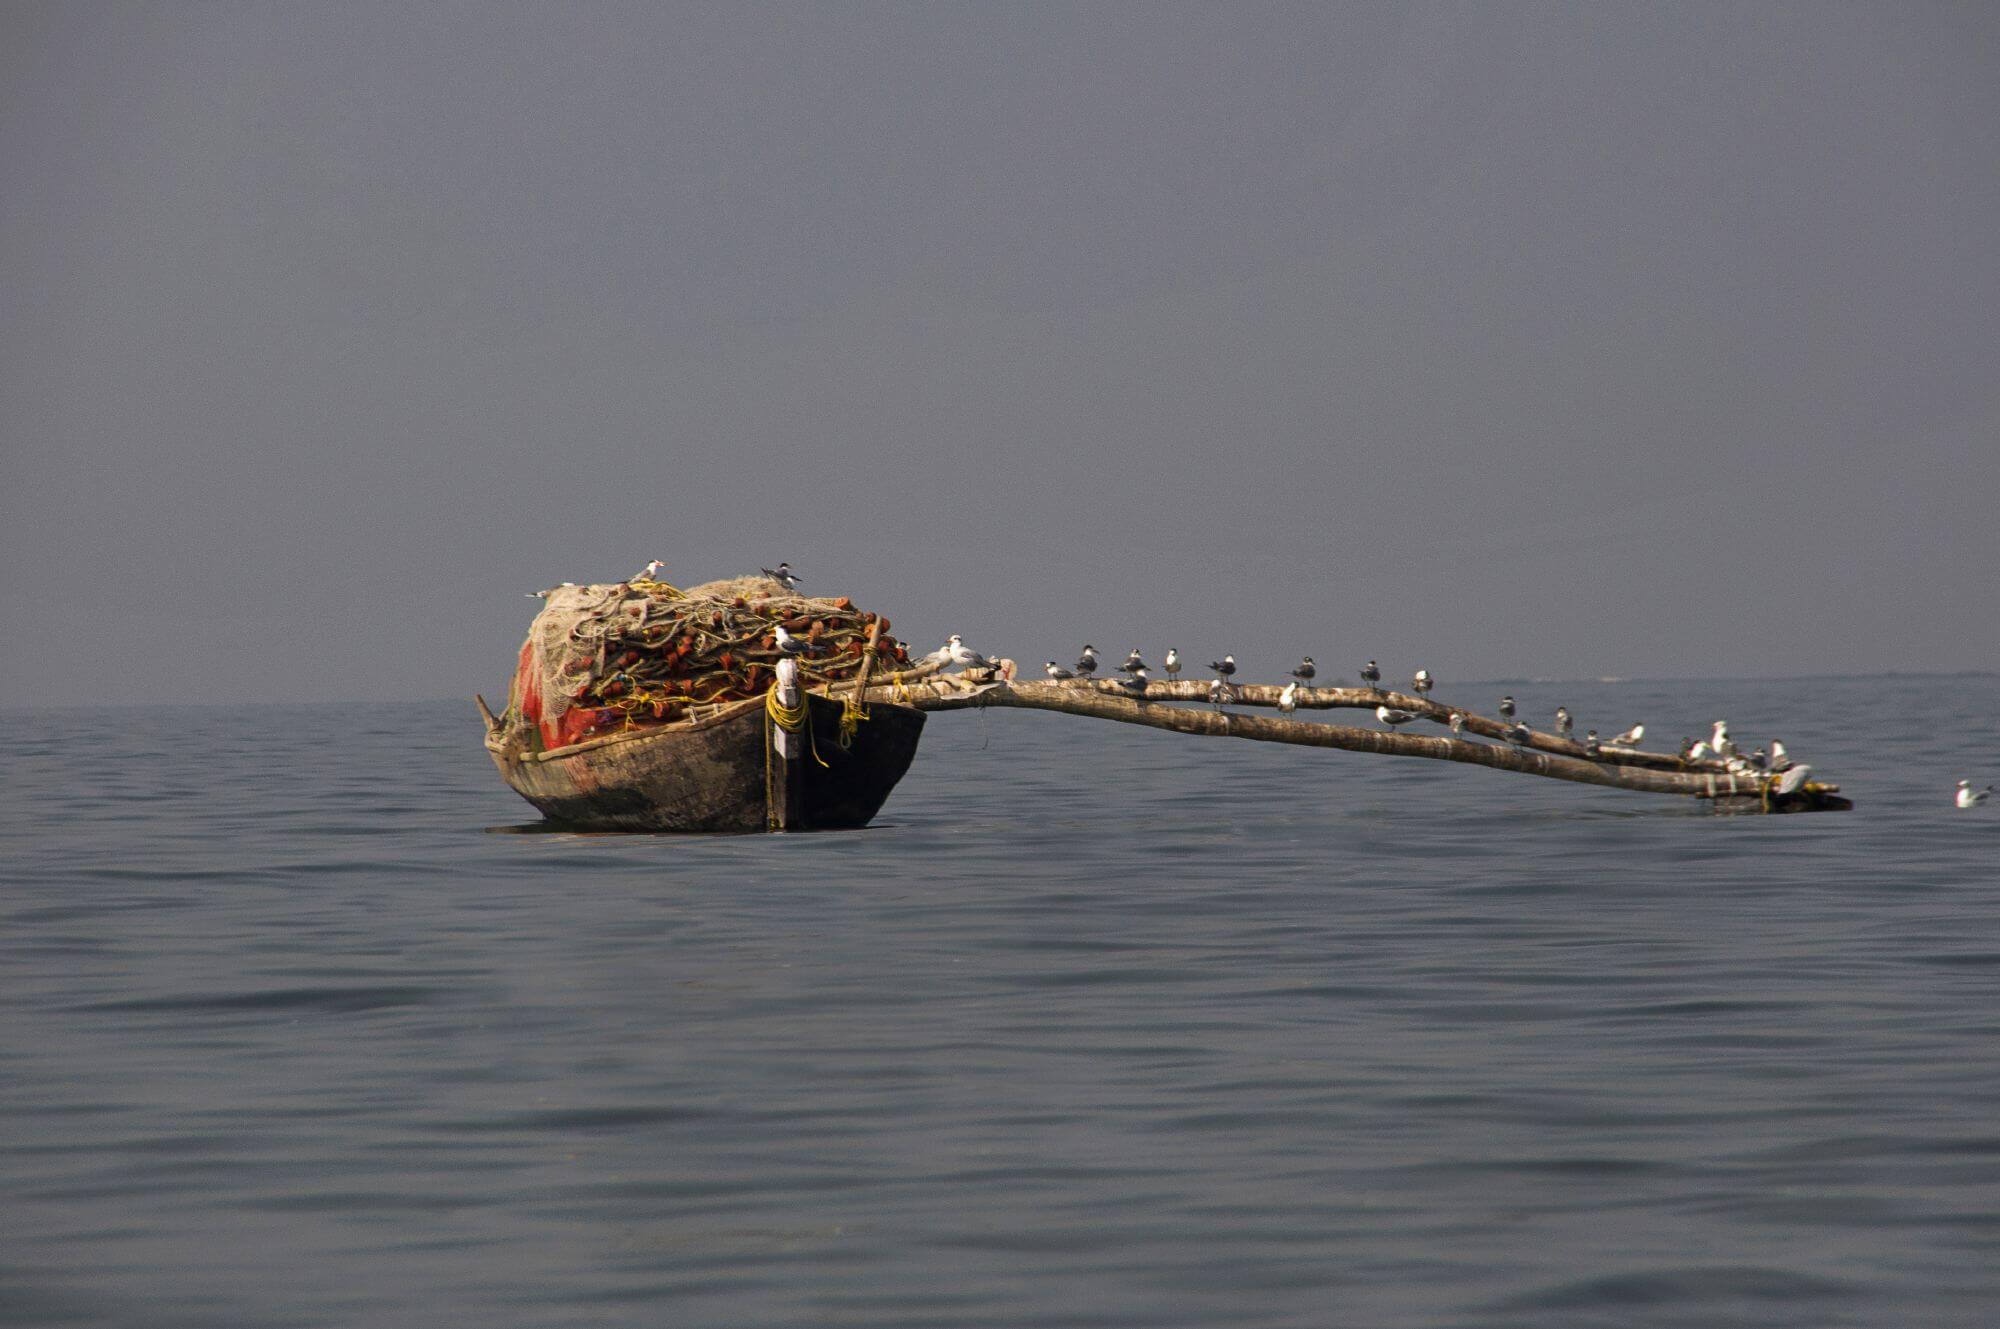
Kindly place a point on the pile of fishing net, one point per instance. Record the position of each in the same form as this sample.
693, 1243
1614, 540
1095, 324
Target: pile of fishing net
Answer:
603, 659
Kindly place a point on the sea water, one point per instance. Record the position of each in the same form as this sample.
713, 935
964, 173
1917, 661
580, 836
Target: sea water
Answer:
1096, 1026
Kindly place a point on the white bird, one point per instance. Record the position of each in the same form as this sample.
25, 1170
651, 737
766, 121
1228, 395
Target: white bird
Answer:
1288, 700
790, 645
1133, 664
543, 595
1789, 782
939, 657
1507, 707
1057, 672
1086, 665
1423, 682
1719, 741
1389, 715
1629, 737
1304, 673
1371, 674
782, 575
1220, 693
1520, 733
1590, 744
1967, 797
1699, 752
650, 571
1780, 759
964, 655
1136, 684
1225, 667
1173, 663
1457, 723
1565, 722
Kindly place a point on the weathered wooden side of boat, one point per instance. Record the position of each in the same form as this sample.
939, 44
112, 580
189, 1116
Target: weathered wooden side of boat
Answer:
712, 777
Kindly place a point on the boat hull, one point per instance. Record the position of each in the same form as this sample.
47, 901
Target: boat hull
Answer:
713, 778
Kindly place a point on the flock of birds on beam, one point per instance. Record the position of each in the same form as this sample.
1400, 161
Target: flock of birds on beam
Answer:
1717, 747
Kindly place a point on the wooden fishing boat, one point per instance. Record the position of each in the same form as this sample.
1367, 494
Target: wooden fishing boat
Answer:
720, 773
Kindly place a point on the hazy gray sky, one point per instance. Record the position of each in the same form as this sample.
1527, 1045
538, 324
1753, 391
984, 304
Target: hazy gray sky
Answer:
1506, 339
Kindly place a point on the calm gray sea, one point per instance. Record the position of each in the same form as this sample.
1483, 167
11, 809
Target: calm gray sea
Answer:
1095, 1027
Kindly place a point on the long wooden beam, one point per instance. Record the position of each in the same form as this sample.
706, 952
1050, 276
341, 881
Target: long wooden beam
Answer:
1107, 701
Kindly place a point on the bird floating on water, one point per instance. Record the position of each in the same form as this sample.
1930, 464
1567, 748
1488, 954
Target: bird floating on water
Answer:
782, 575
1225, 667
1423, 682
1057, 672
1507, 707
1371, 674
1173, 665
1629, 737
1304, 673
1967, 796
1389, 715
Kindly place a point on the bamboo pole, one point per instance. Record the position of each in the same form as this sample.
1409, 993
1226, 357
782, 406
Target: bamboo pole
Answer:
1108, 701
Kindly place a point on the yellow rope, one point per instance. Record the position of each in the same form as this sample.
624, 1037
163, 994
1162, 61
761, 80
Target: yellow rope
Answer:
851, 717
793, 718
654, 586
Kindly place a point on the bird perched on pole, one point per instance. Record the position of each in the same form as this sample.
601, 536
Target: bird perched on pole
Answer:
1173, 665
1288, 700
1135, 686
782, 575
1519, 734
1392, 717
1057, 672
1422, 683
1133, 664
1507, 707
1225, 668
1304, 673
1086, 665
964, 656
1565, 722
790, 645
1629, 737
1457, 723
1371, 674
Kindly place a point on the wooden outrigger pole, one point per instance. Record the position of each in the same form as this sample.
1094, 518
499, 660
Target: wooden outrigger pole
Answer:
1542, 754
